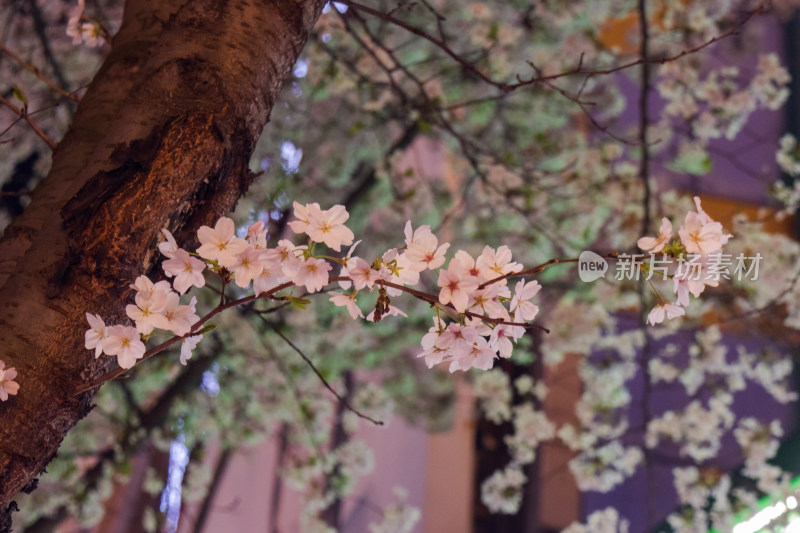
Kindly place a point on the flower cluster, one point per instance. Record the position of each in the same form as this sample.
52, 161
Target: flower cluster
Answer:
487, 318
502, 492
699, 235
788, 154
487, 331
83, 30
719, 104
477, 317
607, 520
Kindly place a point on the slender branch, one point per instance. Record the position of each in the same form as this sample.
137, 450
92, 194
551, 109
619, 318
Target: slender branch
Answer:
328, 386
644, 175
539, 268
578, 71
427, 36
644, 165
339, 397
38, 73
23, 114
40, 27
582, 105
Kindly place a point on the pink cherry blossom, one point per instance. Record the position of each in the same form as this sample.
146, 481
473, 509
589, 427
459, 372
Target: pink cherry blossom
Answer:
169, 246
348, 262
500, 339
656, 244
145, 288
681, 288
400, 271
664, 310
287, 254
257, 235
7, 384
422, 248
247, 266
150, 302
522, 309
323, 226
479, 355
328, 227
125, 343
700, 234
180, 318
468, 262
220, 243
457, 338
363, 275
96, 334
700, 238
313, 274
187, 270
457, 284
301, 213
487, 301
430, 351
189, 344
271, 274
494, 264
349, 301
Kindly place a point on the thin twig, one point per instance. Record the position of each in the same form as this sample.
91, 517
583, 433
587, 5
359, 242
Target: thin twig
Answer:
38, 73
40, 27
644, 164
541, 267
22, 113
328, 386
578, 71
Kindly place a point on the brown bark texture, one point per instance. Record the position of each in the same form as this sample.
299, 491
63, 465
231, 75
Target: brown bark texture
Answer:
162, 138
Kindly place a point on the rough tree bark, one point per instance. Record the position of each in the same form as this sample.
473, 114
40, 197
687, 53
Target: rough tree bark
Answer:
162, 138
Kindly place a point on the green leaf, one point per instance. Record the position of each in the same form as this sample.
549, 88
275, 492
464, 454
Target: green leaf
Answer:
206, 329
300, 303
19, 95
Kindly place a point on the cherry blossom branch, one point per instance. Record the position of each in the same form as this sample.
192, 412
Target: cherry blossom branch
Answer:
539, 268
434, 300
194, 331
23, 114
38, 73
221, 247
197, 326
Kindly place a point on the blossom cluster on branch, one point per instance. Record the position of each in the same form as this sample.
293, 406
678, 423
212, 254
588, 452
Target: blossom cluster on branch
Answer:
477, 319
699, 235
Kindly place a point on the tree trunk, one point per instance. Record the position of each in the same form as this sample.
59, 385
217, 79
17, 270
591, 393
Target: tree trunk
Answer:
162, 138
